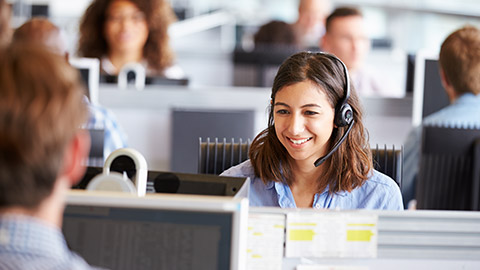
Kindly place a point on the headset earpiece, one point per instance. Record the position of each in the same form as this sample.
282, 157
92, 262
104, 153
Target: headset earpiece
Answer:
344, 115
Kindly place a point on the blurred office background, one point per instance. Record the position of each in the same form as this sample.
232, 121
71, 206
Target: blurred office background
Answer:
208, 31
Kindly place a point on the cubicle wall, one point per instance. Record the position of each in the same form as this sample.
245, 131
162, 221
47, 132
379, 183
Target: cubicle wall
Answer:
312, 239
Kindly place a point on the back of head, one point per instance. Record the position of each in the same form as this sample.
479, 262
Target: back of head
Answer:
41, 31
41, 109
341, 12
4, 23
460, 60
276, 34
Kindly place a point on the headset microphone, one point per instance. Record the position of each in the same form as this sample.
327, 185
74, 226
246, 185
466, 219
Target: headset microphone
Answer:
343, 112
319, 161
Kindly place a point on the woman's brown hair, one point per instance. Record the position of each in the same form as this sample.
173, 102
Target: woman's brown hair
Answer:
158, 14
349, 166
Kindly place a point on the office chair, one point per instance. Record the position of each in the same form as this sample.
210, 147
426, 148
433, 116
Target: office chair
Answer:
389, 161
95, 156
449, 171
190, 124
218, 155
215, 157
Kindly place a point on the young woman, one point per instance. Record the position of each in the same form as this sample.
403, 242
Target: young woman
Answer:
315, 151
120, 32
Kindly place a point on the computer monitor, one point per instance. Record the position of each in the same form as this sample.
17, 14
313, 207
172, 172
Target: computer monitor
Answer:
89, 69
180, 183
429, 95
149, 80
118, 231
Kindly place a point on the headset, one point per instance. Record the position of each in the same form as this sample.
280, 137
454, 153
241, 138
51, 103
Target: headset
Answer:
343, 111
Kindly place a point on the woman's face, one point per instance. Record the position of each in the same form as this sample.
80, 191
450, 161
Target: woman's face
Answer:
126, 29
303, 120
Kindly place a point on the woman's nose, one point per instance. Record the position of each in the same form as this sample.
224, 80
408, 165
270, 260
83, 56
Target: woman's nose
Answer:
296, 125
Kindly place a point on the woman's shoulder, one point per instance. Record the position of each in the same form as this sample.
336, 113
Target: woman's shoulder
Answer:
383, 190
379, 179
244, 169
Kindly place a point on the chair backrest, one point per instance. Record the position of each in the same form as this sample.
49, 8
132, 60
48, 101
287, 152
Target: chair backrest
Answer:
389, 160
217, 155
214, 157
448, 177
97, 138
190, 124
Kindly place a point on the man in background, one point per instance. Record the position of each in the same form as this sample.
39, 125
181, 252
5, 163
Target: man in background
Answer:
41, 31
310, 24
459, 61
42, 150
346, 37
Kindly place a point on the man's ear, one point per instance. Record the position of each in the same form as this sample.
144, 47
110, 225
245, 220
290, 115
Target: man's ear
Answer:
75, 156
452, 95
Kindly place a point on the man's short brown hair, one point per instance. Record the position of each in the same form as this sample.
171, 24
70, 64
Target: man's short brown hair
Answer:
460, 60
339, 13
41, 109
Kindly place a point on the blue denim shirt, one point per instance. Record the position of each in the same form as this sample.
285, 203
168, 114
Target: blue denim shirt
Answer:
29, 243
378, 192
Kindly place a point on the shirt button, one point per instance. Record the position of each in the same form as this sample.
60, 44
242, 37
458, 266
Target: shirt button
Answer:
317, 206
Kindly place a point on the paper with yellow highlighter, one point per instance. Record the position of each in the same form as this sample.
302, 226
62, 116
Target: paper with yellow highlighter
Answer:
332, 235
266, 233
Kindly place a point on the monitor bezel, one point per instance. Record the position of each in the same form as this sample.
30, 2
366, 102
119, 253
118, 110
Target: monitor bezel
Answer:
93, 67
238, 207
419, 84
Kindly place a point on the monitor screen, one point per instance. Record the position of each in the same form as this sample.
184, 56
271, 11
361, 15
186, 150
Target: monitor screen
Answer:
180, 183
89, 69
429, 95
157, 231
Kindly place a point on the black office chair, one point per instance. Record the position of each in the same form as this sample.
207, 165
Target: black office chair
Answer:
214, 157
449, 174
97, 138
218, 155
389, 160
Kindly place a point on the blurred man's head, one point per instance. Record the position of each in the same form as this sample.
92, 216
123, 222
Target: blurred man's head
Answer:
346, 37
310, 24
460, 62
41, 31
41, 111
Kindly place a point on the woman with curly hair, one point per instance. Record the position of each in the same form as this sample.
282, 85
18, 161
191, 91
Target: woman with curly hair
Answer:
119, 32
315, 151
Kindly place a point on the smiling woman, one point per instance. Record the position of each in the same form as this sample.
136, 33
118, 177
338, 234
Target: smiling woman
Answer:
119, 32
314, 114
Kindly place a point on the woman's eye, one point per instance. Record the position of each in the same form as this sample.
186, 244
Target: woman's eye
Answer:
282, 111
311, 113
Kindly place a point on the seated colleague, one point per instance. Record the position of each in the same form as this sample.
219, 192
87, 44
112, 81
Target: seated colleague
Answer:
41, 154
459, 62
308, 116
276, 34
42, 31
310, 24
119, 32
5, 30
346, 37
